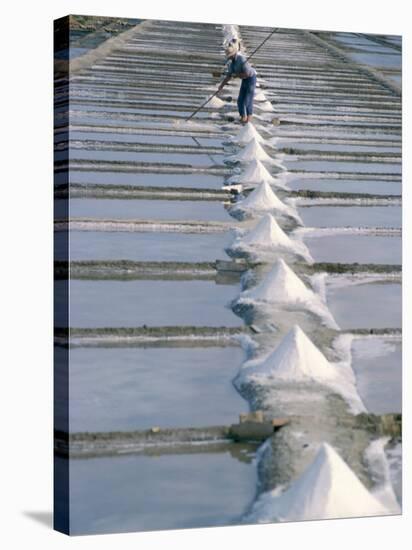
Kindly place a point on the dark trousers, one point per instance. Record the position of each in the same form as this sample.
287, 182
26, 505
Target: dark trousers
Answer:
246, 95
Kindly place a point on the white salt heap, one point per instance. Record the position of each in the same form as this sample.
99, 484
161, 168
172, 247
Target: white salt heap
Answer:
260, 96
264, 199
281, 285
246, 134
295, 359
268, 236
267, 232
327, 489
255, 173
266, 106
378, 464
253, 151
215, 103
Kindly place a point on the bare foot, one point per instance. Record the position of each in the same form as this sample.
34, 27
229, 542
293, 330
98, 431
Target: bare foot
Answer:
249, 118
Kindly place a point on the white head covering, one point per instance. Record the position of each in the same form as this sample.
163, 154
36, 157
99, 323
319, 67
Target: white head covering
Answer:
232, 46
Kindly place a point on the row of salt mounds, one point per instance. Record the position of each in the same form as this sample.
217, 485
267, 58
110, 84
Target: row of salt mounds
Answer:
254, 154
255, 172
327, 489
268, 236
282, 286
297, 360
263, 199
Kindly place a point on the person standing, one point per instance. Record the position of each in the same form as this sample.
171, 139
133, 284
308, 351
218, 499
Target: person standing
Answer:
239, 67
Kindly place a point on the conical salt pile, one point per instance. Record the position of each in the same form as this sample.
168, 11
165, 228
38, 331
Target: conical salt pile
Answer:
254, 173
247, 133
263, 198
296, 358
265, 106
215, 103
252, 151
267, 233
260, 96
266, 237
327, 489
281, 285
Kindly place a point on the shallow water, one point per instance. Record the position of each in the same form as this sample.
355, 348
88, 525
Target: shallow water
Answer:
197, 181
156, 246
377, 364
355, 248
338, 147
135, 388
344, 166
377, 60
351, 39
367, 52
372, 305
397, 79
202, 160
347, 186
133, 303
372, 47
145, 138
142, 493
96, 116
354, 216
394, 39
338, 129
145, 209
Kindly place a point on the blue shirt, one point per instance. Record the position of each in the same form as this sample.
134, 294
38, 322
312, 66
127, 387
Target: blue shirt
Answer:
238, 64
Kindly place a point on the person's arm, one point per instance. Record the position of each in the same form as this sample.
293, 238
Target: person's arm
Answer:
224, 82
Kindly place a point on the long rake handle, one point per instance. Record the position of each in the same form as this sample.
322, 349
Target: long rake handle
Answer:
261, 44
217, 91
203, 104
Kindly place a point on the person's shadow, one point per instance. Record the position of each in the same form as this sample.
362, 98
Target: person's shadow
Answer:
43, 518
